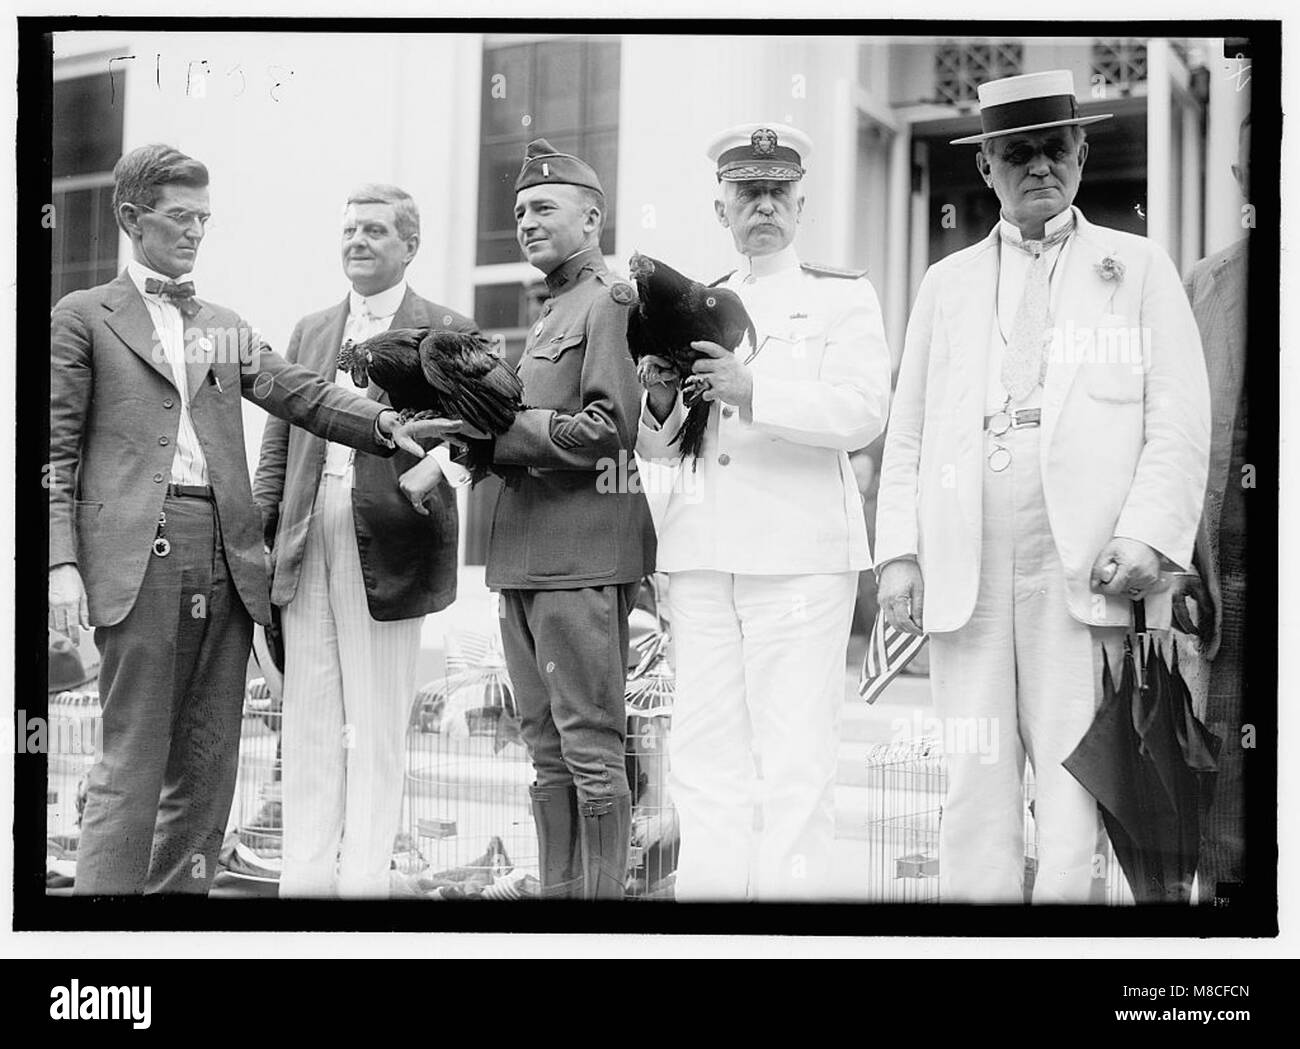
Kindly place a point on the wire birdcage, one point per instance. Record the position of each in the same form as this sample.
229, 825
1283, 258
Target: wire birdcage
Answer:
254, 848
651, 686
469, 813
74, 743
905, 785
906, 781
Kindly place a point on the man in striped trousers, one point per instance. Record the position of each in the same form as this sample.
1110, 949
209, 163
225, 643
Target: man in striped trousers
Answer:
356, 568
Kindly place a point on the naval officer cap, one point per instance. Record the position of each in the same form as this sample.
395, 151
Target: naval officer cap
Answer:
545, 165
760, 151
1029, 102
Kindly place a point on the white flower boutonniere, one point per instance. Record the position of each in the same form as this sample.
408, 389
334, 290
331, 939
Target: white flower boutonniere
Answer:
1110, 269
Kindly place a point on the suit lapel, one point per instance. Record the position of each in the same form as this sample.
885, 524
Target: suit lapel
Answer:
129, 320
327, 342
1082, 303
410, 313
970, 322
198, 347
1227, 292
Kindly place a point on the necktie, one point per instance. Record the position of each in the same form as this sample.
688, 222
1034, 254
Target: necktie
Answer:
1022, 363
179, 295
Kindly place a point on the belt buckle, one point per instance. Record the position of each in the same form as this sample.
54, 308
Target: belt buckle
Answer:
1000, 422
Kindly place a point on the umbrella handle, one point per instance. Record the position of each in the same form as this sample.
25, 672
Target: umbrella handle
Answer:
1139, 616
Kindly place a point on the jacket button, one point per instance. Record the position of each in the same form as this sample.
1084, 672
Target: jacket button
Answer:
167, 403
723, 459
163, 440
727, 413
157, 478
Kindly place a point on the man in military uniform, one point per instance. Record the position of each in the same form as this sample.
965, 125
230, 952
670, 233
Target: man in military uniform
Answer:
567, 556
763, 559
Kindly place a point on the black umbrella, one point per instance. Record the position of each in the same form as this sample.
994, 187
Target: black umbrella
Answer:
1150, 764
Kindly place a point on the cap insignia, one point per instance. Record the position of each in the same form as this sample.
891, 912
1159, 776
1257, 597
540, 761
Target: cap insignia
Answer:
763, 142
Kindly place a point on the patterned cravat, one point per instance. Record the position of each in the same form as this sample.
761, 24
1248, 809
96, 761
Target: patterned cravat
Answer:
179, 295
1022, 363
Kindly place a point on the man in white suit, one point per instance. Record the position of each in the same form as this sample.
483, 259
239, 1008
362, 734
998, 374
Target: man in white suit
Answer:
763, 550
1043, 469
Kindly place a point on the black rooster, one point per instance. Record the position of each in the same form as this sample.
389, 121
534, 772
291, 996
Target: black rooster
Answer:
672, 311
429, 373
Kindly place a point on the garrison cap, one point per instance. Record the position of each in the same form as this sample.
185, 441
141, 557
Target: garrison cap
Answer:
760, 151
543, 165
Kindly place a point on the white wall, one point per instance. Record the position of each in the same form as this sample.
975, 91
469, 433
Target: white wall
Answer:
677, 93
350, 109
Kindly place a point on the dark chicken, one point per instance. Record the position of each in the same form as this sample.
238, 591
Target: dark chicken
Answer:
429, 373
672, 311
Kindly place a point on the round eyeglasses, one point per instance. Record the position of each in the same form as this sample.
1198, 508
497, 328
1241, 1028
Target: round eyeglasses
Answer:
184, 219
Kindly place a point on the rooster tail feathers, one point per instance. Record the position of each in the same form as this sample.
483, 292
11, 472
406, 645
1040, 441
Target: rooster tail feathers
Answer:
690, 438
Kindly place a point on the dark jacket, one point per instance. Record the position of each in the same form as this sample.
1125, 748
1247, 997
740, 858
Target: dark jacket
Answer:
574, 514
114, 416
408, 560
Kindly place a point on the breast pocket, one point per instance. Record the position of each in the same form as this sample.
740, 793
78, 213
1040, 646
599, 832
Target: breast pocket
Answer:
552, 372
792, 351
554, 348
1113, 368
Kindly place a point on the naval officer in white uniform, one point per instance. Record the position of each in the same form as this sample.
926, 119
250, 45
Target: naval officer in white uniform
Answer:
763, 555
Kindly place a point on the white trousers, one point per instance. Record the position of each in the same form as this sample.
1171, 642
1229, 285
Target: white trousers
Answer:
760, 664
348, 687
1022, 677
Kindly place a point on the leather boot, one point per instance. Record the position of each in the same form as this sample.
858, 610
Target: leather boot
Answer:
606, 835
559, 852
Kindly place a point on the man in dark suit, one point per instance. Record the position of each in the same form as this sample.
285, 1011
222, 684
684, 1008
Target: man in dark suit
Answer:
569, 549
154, 536
1217, 288
357, 567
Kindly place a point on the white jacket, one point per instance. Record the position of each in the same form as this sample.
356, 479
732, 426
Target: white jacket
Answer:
777, 496
1125, 435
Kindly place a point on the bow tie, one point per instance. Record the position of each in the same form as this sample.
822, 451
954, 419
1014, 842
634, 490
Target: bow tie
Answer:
179, 295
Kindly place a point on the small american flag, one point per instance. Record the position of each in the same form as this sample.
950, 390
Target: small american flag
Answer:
888, 652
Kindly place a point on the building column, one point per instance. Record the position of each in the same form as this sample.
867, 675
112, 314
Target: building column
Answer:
897, 297
1159, 159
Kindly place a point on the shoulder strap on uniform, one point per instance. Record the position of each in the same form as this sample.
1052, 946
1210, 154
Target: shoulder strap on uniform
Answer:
831, 271
722, 279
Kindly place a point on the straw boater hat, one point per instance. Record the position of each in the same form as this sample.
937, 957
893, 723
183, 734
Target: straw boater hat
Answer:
1029, 102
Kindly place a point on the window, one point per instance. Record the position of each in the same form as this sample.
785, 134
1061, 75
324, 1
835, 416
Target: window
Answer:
960, 68
87, 116
565, 91
509, 310
1122, 62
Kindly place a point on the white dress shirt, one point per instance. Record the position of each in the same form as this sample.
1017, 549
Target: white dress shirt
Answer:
368, 315
188, 464
1013, 269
